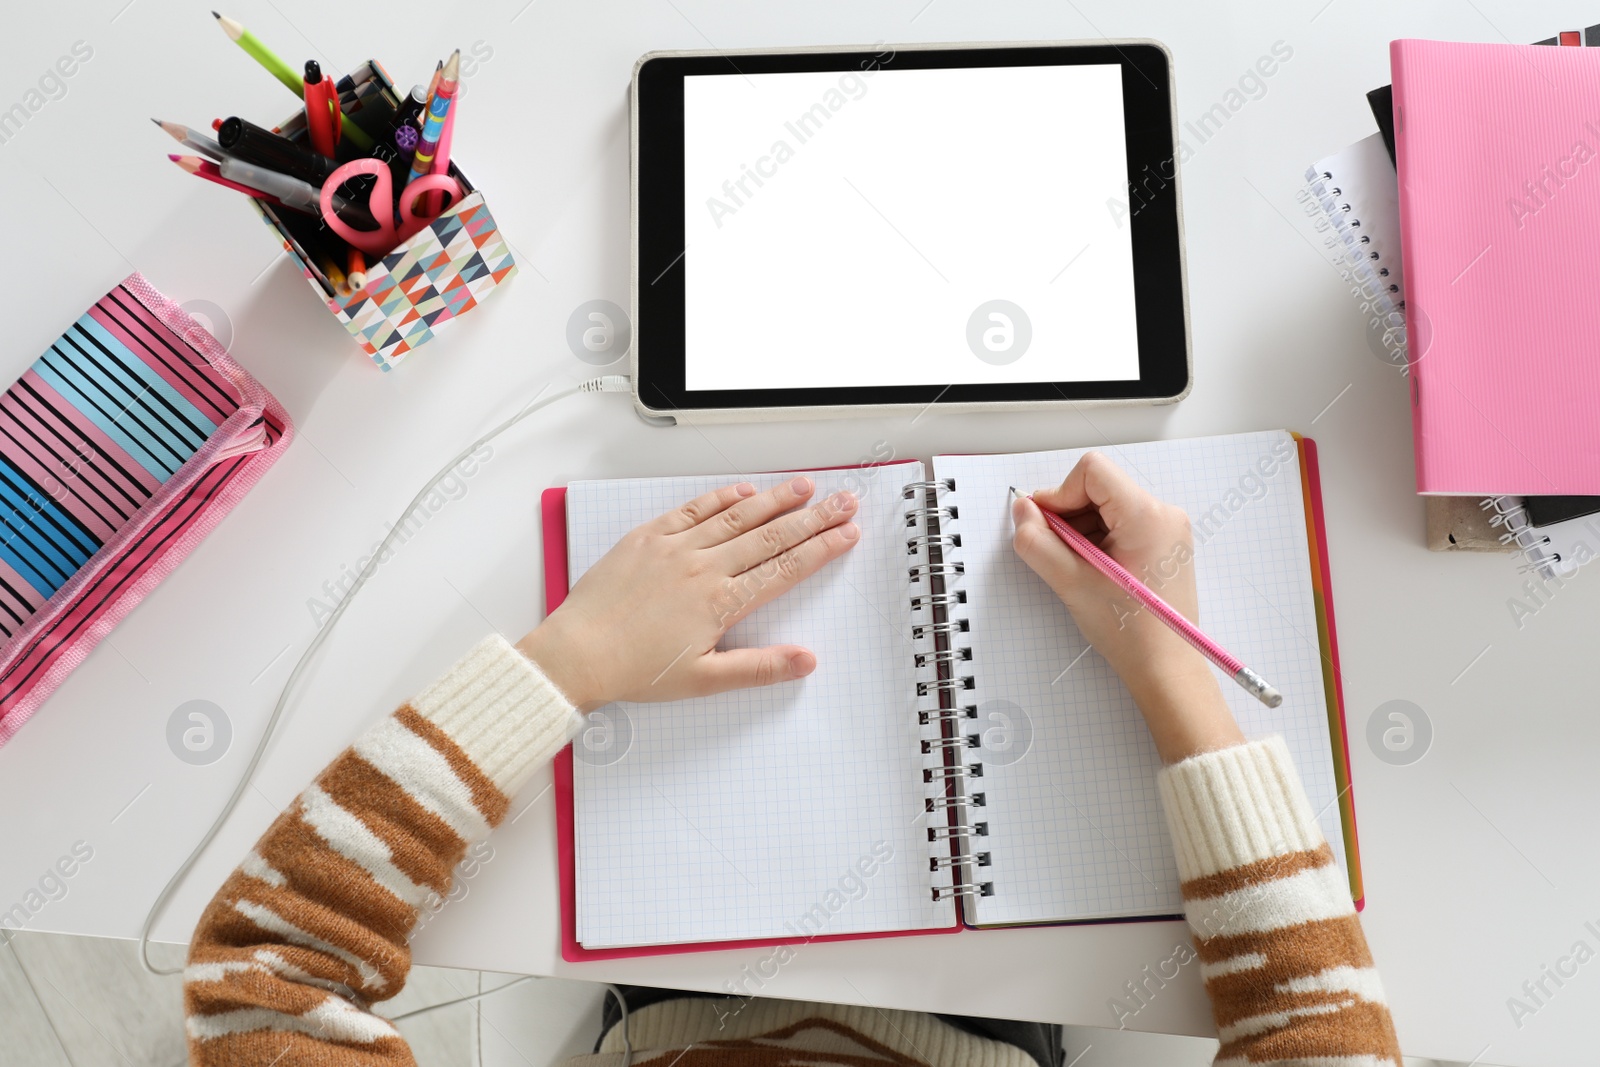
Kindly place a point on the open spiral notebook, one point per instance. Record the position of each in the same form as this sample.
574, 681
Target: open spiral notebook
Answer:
960, 757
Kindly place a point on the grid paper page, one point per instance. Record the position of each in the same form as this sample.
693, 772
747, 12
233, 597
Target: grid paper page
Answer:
753, 814
1076, 827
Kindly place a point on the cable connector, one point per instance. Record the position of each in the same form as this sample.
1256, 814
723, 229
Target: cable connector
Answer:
610, 383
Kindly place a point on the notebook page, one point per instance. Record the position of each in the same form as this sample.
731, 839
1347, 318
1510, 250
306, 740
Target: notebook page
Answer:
1361, 197
1075, 825
754, 814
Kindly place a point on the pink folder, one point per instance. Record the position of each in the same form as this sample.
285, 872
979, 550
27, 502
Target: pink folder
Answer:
1498, 150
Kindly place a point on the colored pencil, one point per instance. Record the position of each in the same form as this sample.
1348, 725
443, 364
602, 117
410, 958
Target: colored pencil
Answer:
433, 83
259, 52
282, 71
193, 139
203, 168
433, 126
358, 269
1231, 665
335, 276
433, 204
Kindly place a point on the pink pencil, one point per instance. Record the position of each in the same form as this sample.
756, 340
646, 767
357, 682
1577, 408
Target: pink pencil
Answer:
203, 168
441, 159
1251, 682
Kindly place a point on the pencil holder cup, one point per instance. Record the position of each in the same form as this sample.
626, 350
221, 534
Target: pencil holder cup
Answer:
442, 272
439, 273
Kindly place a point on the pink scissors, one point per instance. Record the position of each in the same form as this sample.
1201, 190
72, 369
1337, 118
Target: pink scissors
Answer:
388, 234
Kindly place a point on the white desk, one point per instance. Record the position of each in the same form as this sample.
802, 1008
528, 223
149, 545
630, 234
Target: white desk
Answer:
1473, 877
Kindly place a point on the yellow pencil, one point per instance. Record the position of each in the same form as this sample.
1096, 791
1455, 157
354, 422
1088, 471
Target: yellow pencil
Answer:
335, 276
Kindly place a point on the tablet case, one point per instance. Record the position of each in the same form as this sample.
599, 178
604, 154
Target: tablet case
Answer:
657, 415
120, 448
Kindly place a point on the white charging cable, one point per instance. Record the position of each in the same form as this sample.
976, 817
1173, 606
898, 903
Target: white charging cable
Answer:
610, 383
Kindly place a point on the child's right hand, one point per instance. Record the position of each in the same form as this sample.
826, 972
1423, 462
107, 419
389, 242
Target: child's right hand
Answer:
1171, 682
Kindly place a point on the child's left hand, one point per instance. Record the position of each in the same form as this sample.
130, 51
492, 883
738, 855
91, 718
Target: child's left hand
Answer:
644, 622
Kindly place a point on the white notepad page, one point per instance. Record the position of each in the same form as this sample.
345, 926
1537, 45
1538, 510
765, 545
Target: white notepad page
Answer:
1075, 824
753, 814
1361, 196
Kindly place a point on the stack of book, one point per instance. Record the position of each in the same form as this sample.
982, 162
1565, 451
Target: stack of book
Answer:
1478, 172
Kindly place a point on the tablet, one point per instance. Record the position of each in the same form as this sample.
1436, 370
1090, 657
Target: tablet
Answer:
827, 232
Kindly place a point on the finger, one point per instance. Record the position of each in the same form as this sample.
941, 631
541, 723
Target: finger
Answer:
700, 509
1096, 482
752, 512
785, 532
745, 668
772, 578
1087, 523
1040, 547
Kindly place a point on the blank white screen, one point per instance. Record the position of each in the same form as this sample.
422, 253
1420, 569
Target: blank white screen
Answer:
842, 229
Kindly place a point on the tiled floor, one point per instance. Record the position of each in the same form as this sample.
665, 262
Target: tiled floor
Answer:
86, 1002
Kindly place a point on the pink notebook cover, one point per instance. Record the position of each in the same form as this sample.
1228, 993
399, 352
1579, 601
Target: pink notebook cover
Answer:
1498, 150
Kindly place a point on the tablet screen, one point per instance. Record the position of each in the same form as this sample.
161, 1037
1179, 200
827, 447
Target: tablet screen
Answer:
897, 227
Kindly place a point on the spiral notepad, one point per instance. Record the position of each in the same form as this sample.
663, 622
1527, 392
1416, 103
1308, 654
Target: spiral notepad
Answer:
1359, 219
1555, 550
960, 754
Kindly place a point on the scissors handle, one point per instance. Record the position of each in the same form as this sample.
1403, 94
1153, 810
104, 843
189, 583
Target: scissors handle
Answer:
411, 219
383, 239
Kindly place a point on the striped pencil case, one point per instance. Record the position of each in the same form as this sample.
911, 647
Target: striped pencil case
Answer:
120, 449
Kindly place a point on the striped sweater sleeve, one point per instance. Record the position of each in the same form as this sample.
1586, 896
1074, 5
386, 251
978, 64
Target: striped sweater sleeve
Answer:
1281, 950
311, 930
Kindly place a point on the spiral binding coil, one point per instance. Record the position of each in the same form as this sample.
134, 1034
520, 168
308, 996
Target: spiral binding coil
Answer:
1362, 264
1507, 514
1367, 264
914, 514
976, 800
944, 715
959, 626
923, 540
910, 490
938, 863
946, 833
949, 771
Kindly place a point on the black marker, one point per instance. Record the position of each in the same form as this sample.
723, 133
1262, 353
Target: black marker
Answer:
245, 140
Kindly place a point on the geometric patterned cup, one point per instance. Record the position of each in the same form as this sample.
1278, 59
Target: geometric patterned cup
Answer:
443, 271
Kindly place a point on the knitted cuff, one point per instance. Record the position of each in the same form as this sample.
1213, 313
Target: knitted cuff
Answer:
502, 711
1236, 806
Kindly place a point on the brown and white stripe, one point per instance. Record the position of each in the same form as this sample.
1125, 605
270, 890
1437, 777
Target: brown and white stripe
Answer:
311, 930
1281, 950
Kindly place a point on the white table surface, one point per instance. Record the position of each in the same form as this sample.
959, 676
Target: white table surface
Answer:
1476, 867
